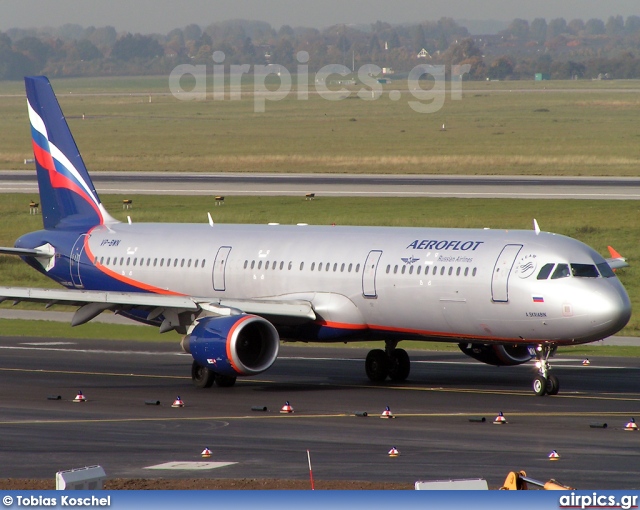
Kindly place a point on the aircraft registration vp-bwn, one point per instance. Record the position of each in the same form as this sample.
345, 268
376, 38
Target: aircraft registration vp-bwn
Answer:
234, 291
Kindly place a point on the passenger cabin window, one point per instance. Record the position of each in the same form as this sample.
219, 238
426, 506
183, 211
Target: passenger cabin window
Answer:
545, 271
562, 271
605, 270
584, 270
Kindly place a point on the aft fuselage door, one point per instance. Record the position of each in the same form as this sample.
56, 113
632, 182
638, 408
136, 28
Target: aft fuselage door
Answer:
501, 272
74, 260
369, 274
219, 266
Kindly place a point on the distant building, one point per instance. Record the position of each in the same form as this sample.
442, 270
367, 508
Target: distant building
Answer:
424, 54
542, 76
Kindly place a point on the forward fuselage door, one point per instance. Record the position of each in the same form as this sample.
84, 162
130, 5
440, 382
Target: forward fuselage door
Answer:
369, 274
74, 260
219, 267
501, 272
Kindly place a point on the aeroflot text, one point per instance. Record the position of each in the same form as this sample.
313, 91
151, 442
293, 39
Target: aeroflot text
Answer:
35, 501
445, 245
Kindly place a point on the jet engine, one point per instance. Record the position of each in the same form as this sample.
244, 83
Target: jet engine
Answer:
235, 345
498, 354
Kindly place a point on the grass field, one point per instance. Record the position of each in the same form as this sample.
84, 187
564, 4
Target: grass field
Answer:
548, 128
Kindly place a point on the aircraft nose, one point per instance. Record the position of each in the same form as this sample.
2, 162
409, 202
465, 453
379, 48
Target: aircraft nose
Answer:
611, 309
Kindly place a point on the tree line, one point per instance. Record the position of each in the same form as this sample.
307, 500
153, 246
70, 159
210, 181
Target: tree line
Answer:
556, 48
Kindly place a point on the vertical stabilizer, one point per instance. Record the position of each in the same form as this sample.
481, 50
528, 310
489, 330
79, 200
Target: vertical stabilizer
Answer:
68, 198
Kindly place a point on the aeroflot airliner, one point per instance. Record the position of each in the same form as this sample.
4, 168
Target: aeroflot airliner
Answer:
504, 296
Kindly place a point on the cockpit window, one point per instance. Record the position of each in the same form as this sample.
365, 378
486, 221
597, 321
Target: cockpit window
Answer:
562, 271
584, 270
605, 270
545, 271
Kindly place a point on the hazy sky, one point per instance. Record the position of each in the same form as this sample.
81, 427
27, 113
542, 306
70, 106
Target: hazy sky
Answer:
148, 16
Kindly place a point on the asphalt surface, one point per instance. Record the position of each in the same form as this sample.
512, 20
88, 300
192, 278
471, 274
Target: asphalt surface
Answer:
117, 430
596, 188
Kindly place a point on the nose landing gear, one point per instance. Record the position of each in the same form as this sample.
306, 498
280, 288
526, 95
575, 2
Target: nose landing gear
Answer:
543, 383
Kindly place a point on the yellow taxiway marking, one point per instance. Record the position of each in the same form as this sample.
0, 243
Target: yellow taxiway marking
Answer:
560, 414
519, 393
522, 393
79, 372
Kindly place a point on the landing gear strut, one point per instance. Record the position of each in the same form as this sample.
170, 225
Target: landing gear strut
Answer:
543, 383
392, 362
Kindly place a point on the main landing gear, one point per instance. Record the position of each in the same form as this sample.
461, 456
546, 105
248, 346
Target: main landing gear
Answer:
393, 363
543, 383
204, 378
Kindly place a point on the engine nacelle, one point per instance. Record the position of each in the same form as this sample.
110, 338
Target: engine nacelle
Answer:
235, 345
498, 354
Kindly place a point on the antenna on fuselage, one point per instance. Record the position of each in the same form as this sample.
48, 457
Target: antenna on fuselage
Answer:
210, 219
535, 226
129, 220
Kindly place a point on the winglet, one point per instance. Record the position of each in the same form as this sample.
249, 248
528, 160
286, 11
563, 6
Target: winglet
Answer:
535, 226
614, 253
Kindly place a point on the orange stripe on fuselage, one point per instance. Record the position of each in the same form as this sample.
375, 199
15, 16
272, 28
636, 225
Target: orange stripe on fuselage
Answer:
425, 333
122, 278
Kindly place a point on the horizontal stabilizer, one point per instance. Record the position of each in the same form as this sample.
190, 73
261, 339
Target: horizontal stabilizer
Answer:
24, 252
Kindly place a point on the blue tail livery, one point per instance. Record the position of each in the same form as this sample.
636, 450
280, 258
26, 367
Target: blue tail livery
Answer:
505, 297
68, 197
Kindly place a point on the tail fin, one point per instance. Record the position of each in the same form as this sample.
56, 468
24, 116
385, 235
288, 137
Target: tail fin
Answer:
68, 197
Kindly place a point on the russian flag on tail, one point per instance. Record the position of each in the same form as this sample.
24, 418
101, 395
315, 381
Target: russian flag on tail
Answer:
68, 197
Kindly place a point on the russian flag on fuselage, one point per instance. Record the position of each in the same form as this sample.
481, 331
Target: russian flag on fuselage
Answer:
68, 197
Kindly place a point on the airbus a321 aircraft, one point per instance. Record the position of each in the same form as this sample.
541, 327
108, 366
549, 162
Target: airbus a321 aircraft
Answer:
233, 291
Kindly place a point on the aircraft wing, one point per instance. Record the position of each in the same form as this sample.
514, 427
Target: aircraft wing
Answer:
92, 303
616, 261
